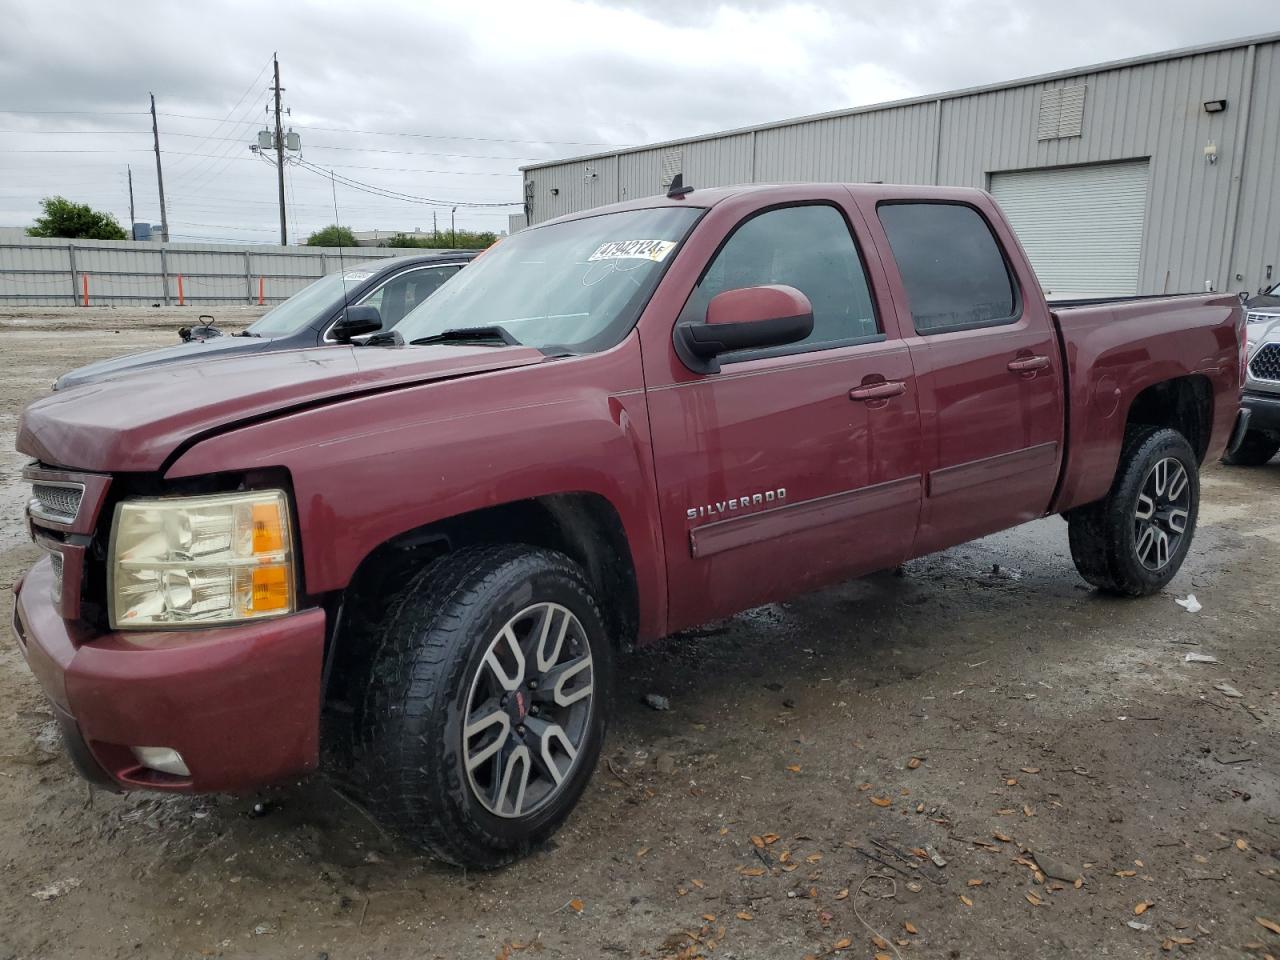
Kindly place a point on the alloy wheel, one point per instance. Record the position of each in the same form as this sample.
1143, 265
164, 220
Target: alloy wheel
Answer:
528, 711
1161, 514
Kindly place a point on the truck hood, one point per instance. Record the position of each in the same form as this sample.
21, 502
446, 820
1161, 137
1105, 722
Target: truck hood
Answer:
197, 351
135, 422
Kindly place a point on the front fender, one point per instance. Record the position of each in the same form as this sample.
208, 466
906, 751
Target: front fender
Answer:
369, 469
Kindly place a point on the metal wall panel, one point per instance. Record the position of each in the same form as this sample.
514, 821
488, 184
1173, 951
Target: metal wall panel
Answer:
1256, 231
1147, 109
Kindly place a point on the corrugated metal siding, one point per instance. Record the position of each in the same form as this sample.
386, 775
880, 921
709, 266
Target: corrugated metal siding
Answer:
1257, 230
1081, 226
1147, 110
889, 145
35, 270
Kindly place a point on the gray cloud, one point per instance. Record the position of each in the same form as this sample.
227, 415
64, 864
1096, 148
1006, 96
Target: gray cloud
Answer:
491, 85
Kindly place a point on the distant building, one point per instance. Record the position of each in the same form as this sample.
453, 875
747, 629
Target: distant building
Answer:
1157, 174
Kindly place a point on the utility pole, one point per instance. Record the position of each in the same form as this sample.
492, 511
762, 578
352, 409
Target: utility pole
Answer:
453, 232
132, 216
155, 134
284, 232
435, 227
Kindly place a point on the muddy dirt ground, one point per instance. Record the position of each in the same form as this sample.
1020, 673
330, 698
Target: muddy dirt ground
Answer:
984, 706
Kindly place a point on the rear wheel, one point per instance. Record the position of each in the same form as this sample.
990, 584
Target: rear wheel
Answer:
1133, 541
484, 712
1255, 449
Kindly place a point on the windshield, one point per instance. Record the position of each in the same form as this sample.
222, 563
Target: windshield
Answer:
576, 286
305, 306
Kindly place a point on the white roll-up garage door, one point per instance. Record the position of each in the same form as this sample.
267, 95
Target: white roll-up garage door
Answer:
1081, 226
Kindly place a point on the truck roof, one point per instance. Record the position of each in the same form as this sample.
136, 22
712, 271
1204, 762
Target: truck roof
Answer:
707, 197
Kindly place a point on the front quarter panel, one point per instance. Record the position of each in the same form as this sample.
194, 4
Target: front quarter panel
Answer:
370, 468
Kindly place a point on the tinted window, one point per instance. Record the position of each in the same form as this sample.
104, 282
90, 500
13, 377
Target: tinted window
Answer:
951, 265
400, 295
808, 248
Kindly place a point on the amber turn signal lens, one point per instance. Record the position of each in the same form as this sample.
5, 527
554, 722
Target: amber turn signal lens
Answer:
270, 589
268, 527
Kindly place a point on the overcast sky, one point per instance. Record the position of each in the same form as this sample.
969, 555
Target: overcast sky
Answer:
446, 100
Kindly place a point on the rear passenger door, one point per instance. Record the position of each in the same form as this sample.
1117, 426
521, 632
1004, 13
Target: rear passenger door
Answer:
793, 466
988, 367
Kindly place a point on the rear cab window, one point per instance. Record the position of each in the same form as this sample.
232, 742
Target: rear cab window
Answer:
809, 247
954, 272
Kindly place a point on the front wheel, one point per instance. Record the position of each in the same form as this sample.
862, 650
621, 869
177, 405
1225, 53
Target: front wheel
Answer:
1133, 541
484, 712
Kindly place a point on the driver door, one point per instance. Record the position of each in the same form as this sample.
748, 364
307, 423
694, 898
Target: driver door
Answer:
776, 475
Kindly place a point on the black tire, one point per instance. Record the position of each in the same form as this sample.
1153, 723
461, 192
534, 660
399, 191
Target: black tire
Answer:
1255, 449
1104, 535
408, 752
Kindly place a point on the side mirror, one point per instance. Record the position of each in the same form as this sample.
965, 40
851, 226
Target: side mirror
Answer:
743, 319
355, 322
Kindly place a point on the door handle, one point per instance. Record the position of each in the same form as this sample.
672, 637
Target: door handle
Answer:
1028, 364
881, 390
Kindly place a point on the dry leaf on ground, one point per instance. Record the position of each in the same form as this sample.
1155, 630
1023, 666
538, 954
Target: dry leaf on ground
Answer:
1033, 899
743, 915
965, 900
882, 801
843, 894
1269, 924
576, 905
910, 927
1143, 907
793, 767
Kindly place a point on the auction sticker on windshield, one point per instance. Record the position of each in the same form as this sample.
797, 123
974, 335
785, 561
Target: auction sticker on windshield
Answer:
655, 250
355, 276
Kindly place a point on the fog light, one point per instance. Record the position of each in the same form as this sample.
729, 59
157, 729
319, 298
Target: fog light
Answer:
163, 760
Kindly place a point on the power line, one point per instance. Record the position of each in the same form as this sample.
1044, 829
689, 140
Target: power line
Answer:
395, 194
81, 113
429, 136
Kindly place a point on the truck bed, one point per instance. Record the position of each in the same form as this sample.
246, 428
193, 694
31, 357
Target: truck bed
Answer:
1116, 348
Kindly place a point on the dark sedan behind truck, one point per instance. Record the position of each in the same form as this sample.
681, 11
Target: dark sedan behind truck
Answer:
372, 296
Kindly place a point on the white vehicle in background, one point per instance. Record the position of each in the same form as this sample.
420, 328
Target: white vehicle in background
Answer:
1262, 386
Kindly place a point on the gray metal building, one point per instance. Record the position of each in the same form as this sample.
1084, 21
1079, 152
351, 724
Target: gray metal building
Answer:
1157, 174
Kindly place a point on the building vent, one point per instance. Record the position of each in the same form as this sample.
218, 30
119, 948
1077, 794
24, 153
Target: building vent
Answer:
1061, 112
672, 163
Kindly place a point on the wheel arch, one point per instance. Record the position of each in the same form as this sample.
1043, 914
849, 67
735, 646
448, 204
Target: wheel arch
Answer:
1182, 403
584, 526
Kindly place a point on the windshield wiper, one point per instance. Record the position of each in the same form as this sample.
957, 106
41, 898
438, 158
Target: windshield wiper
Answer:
491, 335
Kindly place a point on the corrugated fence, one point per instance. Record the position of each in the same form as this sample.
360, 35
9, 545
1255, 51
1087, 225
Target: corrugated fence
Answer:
35, 271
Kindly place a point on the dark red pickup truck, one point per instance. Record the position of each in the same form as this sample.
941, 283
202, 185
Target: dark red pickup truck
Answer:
612, 427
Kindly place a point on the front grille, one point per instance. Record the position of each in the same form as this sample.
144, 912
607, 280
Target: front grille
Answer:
59, 502
1265, 364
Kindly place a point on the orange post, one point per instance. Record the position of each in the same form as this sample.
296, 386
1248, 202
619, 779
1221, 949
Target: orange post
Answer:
261, 299
180, 300
84, 285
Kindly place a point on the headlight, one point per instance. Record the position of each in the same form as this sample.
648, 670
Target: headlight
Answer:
199, 560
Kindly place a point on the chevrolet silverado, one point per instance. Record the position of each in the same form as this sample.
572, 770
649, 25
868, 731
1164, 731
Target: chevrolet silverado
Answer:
612, 427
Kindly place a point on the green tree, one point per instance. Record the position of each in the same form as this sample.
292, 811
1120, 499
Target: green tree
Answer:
76, 221
444, 240
332, 236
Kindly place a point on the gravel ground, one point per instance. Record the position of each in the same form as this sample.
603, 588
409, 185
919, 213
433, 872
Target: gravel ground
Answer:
984, 707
